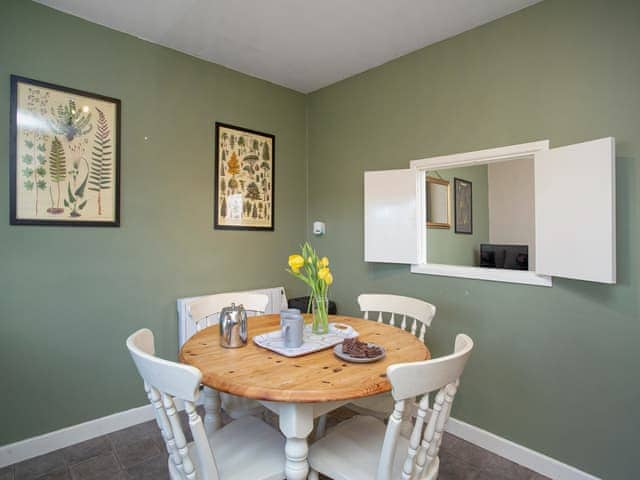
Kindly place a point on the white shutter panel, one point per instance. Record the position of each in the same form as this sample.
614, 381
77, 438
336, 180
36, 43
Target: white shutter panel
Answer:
393, 217
575, 200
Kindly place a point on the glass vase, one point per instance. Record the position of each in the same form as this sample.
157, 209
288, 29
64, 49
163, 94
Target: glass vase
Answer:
320, 312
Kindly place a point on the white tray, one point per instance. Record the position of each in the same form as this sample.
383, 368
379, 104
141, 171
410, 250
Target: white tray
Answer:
310, 342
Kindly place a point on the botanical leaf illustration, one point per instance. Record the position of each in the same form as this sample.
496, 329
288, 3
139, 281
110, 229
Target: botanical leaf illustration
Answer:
265, 151
75, 195
101, 164
253, 192
57, 161
233, 165
70, 121
223, 207
57, 170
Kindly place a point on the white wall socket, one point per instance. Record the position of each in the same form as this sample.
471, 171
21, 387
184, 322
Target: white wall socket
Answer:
319, 228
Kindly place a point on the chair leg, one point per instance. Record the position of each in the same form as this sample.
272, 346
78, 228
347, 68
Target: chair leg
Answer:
212, 416
313, 475
320, 428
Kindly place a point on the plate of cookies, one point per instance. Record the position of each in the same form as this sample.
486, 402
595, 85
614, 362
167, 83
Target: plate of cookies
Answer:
353, 350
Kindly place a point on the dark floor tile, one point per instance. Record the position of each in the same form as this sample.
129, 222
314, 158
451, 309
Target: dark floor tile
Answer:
501, 467
137, 433
464, 451
6, 473
452, 468
86, 450
137, 452
48, 464
65, 475
153, 469
102, 467
537, 476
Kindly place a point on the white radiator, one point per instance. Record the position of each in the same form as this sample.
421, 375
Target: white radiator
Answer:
277, 301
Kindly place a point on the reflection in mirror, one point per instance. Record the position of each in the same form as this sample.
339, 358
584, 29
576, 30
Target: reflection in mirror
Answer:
438, 206
502, 217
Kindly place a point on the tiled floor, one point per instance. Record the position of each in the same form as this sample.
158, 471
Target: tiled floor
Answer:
138, 452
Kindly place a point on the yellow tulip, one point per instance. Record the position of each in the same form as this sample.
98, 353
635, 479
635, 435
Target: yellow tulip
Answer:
323, 272
310, 260
329, 278
323, 262
296, 262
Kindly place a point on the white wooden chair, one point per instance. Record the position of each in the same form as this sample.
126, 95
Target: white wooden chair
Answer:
246, 448
362, 448
204, 312
414, 313
403, 312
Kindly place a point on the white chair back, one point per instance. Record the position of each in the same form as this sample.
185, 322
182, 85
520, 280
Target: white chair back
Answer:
205, 311
410, 380
418, 312
165, 381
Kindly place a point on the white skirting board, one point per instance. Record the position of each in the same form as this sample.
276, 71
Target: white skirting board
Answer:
33, 447
48, 442
524, 456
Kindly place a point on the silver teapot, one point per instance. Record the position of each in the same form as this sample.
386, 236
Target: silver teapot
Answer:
233, 326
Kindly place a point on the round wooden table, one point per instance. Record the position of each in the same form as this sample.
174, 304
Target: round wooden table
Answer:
298, 389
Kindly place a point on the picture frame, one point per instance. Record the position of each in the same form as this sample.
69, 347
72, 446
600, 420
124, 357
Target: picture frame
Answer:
463, 206
438, 192
64, 154
244, 179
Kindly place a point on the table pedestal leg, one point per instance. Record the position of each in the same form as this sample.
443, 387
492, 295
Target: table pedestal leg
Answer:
296, 423
212, 416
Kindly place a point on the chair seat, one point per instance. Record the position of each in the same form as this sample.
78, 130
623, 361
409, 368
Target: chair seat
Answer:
246, 448
351, 450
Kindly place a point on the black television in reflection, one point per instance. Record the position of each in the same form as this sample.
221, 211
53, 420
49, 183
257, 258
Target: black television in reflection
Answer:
509, 257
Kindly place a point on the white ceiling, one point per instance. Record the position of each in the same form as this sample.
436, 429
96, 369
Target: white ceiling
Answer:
300, 44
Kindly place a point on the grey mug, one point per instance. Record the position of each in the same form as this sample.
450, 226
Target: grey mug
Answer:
292, 326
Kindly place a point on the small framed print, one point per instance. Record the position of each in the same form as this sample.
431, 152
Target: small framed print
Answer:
463, 200
244, 179
64, 156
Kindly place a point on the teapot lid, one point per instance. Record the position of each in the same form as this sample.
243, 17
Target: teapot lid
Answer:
232, 308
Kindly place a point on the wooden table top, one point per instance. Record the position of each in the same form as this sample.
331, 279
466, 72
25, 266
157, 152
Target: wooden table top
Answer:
261, 374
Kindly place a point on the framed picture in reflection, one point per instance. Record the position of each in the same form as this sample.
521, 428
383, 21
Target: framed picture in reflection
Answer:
463, 206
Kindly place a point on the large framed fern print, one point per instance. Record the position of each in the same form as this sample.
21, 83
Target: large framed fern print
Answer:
244, 179
64, 156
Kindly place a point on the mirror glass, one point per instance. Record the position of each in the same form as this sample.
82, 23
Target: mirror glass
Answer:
492, 216
438, 203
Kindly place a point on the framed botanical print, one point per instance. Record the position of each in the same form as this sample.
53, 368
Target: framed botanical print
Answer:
244, 179
463, 201
64, 156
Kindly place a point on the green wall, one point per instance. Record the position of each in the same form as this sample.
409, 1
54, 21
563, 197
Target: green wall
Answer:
70, 296
554, 368
444, 245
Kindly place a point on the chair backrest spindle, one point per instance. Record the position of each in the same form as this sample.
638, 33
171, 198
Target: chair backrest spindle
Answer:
420, 311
